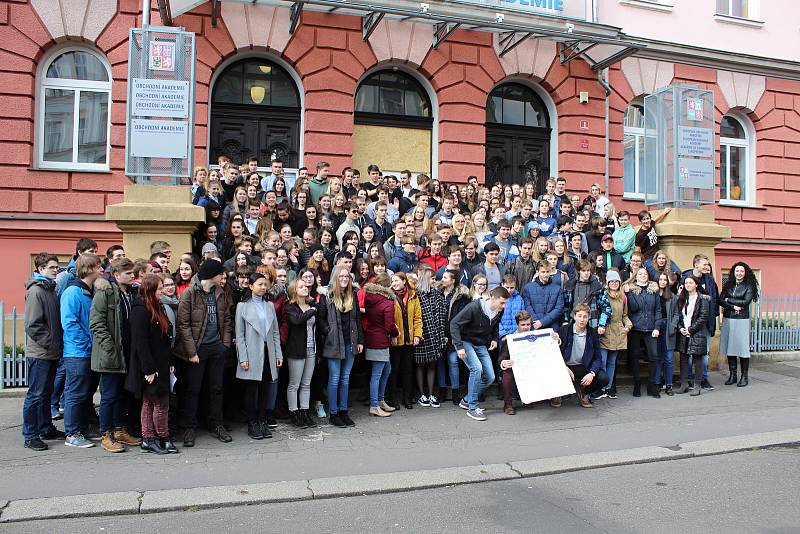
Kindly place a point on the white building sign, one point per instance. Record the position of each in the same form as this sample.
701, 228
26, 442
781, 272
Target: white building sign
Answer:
159, 139
160, 98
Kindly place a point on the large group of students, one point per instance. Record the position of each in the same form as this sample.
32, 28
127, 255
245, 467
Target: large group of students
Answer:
409, 289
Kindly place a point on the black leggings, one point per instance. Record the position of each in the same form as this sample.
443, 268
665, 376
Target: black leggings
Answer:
635, 337
256, 396
402, 360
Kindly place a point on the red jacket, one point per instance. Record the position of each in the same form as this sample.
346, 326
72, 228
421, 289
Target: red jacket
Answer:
379, 313
436, 262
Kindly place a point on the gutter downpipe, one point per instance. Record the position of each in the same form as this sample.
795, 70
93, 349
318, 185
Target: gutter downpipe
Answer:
601, 78
145, 13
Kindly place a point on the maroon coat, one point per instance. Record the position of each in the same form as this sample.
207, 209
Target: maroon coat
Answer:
379, 313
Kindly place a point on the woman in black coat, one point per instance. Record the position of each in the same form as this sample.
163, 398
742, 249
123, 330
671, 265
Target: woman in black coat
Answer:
689, 319
149, 375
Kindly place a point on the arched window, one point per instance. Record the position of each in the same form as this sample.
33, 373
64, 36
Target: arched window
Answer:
633, 145
392, 98
256, 82
736, 184
516, 105
74, 118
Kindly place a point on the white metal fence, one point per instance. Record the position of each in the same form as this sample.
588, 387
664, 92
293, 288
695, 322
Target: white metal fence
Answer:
13, 371
775, 323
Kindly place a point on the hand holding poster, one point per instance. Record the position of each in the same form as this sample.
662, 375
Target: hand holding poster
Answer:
539, 369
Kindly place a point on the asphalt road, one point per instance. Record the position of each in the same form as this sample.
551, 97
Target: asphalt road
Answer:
754, 491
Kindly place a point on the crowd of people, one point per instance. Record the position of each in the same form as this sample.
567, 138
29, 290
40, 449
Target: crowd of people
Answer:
411, 290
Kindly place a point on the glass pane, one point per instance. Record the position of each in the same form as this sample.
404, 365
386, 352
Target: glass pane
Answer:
77, 65
740, 8
723, 7
59, 111
391, 100
513, 112
228, 88
738, 166
284, 92
367, 98
651, 182
257, 88
533, 115
634, 116
92, 127
732, 128
416, 106
629, 176
494, 109
723, 172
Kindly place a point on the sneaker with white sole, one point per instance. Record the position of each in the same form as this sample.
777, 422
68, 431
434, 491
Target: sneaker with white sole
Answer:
463, 404
423, 401
476, 414
434, 402
599, 394
77, 440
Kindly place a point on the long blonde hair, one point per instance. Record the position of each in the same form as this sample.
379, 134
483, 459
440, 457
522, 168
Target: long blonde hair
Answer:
342, 298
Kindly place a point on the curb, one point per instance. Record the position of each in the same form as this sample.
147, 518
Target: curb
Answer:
132, 502
13, 393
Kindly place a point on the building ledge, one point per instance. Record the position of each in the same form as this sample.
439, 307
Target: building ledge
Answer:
740, 21
648, 4
88, 171
744, 205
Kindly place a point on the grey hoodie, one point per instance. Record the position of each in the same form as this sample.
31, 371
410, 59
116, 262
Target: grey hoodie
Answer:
43, 334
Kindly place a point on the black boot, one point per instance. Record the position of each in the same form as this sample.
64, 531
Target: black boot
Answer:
296, 419
307, 418
732, 368
336, 420
254, 430
637, 389
652, 390
153, 445
745, 368
346, 418
169, 446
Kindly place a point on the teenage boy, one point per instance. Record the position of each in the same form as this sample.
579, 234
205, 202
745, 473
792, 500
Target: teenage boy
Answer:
371, 187
43, 346
523, 267
83, 246
624, 236
508, 251
348, 187
611, 260
446, 214
474, 331
383, 196
381, 225
76, 302
407, 192
276, 171
472, 255
109, 321
404, 260
490, 268
544, 299
230, 181
432, 255
349, 223
423, 201
560, 194
580, 347
203, 334
253, 216
318, 185
514, 305
523, 322
455, 263
392, 245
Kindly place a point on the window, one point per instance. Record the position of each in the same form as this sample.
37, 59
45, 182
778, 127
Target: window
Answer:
516, 105
256, 82
743, 9
735, 162
385, 96
633, 144
74, 118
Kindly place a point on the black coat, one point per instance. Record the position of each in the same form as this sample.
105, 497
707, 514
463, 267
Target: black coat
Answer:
473, 326
297, 320
150, 353
695, 344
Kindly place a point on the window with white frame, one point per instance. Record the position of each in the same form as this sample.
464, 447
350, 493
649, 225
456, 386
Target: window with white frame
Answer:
633, 144
743, 9
74, 111
736, 182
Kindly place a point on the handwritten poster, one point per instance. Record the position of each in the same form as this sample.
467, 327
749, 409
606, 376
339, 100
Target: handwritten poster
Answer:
539, 369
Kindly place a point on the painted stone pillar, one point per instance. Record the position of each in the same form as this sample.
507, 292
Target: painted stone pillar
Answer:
685, 232
156, 212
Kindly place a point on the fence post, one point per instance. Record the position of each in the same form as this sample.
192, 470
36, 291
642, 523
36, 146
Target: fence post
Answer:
2, 346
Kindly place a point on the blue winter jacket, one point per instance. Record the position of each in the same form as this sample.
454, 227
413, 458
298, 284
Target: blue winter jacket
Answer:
65, 277
402, 262
76, 301
514, 305
651, 268
545, 302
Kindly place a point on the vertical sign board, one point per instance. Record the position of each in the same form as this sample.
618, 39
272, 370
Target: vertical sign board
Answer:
160, 113
679, 147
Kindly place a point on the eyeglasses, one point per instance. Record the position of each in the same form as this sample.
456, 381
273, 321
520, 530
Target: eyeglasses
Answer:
168, 285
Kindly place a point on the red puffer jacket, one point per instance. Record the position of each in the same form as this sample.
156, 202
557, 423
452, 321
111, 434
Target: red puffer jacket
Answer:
379, 313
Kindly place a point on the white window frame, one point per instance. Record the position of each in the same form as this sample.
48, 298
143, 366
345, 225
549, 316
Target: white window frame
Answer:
749, 163
44, 83
753, 8
637, 133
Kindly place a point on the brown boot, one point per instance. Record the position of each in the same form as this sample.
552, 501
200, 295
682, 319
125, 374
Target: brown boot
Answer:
509, 409
109, 444
122, 436
385, 407
584, 399
377, 412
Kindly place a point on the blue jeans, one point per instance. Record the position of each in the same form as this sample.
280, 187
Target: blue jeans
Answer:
77, 387
272, 391
441, 373
36, 419
57, 396
377, 382
481, 372
667, 358
339, 381
111, 401
608, 361
452, 367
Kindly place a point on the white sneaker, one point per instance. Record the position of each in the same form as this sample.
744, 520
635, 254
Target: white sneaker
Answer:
77, 440
434, 402
423, 401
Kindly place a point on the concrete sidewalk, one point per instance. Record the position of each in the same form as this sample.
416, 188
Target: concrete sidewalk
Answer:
423, 442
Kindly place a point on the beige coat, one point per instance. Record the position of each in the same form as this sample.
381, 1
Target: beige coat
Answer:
616, 334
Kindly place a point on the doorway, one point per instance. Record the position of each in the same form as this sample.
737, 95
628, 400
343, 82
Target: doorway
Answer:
255, 111
517, 137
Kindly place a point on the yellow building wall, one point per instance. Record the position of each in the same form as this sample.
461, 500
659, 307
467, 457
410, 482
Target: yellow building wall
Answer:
391, 148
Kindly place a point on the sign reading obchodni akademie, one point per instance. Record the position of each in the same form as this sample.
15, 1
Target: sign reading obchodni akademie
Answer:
572, 9
160, 118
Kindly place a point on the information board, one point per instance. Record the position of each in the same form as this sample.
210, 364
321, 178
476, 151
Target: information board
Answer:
539, 369
159, 139
160, 98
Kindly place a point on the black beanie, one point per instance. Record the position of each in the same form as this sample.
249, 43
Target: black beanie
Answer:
209, 269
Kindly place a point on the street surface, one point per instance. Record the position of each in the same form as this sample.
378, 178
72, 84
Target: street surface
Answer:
741, 492
424, 438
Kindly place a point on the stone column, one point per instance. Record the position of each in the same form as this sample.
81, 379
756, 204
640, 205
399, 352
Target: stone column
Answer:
685, 232
156, 212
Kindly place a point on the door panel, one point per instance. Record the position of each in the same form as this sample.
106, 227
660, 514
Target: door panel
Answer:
240, 132
277, 139
233, 136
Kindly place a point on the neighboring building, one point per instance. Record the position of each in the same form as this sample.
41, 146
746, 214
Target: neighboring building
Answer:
351, 86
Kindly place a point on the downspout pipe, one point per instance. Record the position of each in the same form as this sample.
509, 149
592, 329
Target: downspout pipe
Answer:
601, 78
145, 13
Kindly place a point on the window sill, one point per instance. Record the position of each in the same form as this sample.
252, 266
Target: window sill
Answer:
740, 21
72, 169
737, 204
633, 197
644, 4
